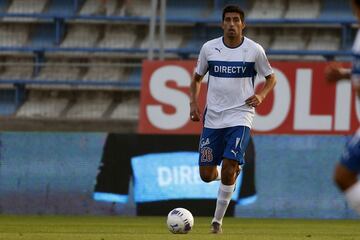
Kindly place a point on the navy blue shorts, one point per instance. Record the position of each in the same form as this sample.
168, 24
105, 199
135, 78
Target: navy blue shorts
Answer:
351, 155
217, 144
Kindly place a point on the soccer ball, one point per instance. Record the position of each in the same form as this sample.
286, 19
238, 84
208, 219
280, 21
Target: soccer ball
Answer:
180, 220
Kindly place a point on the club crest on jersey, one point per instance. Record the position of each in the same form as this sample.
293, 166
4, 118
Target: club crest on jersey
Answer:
204, 142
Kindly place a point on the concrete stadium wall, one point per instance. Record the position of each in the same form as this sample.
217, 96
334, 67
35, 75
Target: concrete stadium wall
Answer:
54, 173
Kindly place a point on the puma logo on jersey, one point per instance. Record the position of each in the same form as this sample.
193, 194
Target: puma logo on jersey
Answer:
218, 49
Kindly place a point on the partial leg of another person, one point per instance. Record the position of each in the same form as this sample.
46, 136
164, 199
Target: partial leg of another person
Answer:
347, 171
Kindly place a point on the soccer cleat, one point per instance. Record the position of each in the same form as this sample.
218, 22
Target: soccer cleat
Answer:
216, 228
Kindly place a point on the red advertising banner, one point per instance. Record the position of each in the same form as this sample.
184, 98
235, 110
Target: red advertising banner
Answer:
301, 103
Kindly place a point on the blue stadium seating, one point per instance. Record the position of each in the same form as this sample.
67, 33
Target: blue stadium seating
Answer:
43, 36
194, 21
336, 10
204, 17
200, 36
188, 10
220, 4
7, 102
135, 76
4, 4
62, 7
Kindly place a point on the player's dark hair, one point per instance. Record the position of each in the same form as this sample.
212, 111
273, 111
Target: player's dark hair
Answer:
231, 9
357, 2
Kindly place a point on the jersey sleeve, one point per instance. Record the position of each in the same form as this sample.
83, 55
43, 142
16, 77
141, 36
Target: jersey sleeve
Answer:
262, 65
202, 63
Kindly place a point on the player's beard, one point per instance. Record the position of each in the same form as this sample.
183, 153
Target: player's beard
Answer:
232, 34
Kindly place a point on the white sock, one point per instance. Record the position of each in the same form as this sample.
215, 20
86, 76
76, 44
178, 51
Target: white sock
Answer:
224, 196
352, 196
218, 178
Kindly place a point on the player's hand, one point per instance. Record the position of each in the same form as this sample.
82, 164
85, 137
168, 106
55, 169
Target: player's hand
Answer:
254, 101
334, 72
194, 112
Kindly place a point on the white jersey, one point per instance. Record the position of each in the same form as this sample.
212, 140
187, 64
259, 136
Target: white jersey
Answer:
355, 73
232, 73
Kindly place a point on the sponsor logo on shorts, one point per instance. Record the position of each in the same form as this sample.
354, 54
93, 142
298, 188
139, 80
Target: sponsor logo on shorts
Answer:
204, 142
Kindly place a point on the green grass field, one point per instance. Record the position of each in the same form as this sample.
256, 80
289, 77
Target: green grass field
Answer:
149, 228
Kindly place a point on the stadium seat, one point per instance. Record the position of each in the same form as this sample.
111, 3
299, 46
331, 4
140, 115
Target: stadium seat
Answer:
135, 75
81, 35
92, 7
43, 35
13, 35
104, 71
305, 9
95, 7
27, 6
61, 7
174, 39
267, 9
289, 39
188, 9
17, 69
4, 5
6, 107
126, 110
336, 10
58, 69
7, 102
101, 40
140, 8
260, 35
43, 104
89, 105
117, 36
324, 40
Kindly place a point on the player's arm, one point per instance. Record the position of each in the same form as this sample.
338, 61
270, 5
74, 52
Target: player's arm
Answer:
256, 99
334, 72
200, 71
195, 87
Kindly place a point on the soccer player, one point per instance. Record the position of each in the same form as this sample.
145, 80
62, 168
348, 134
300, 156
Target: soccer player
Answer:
347, 170
232, 61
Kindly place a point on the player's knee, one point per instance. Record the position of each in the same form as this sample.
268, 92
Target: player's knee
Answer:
208, 173
207, 177
343, 178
